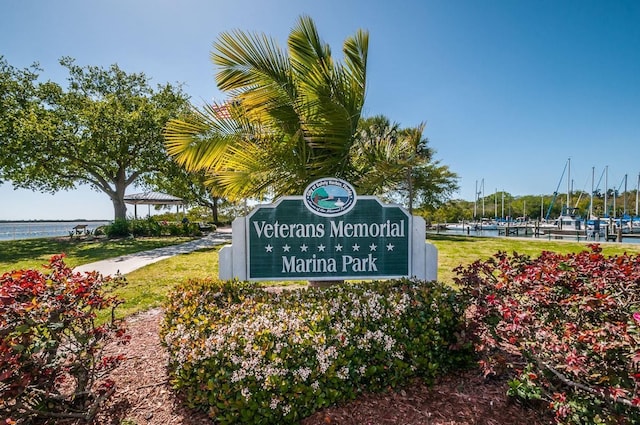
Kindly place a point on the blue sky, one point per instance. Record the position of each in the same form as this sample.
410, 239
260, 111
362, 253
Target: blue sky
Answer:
509, 89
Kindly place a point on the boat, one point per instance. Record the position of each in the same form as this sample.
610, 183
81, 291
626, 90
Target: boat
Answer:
462, 227
569, 223
635, 225
486, 224
467, 226
569, 220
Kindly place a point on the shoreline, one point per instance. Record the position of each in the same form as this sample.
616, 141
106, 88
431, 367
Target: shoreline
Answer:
82, 220
17, 230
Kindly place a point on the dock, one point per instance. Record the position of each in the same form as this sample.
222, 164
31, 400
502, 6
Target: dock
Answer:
542, 231
516, 230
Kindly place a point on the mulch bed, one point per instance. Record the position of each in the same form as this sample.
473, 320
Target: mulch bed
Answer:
144, 397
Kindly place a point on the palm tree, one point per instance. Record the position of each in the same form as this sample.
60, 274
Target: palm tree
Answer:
292, 116
398, 164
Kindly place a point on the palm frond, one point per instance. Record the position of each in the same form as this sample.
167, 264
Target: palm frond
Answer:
256, 72
198, 140
294, 116
310, 57
248, 60
355, 50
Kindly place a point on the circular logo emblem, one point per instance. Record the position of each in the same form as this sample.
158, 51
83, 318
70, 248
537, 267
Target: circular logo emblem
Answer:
329, 197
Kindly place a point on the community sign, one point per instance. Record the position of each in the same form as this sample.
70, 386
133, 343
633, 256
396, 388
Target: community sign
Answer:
329, 233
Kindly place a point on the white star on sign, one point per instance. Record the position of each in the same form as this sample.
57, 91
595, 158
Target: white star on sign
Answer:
269, 248
303, 248
356, 247
389, 247
286, 248
373, 247
338, 247
321, 248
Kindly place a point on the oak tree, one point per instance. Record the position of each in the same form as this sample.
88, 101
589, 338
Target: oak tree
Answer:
103, 130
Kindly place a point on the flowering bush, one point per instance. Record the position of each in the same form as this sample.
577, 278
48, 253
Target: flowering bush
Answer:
566, 327
247, 355
52, 361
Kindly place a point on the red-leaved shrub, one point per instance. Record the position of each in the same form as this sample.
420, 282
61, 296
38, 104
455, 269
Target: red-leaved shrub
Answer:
565, 327
52, 360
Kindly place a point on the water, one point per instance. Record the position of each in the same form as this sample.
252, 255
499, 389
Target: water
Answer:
494, 234
12, 230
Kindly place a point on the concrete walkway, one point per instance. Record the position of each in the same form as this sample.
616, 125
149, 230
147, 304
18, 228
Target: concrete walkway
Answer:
128, 263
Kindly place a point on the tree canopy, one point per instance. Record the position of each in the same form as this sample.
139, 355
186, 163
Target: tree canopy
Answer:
193, 187
398, 164
103, 130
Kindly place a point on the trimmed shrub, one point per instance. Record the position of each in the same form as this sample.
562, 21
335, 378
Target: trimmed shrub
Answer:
52, 360
246, 355
146, 227
565, 328
150, 227
119, 228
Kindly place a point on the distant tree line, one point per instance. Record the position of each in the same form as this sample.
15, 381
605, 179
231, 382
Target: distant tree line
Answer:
503, 205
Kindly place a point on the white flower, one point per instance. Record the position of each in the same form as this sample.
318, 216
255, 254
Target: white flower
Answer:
388, 343
343, 373
274, 403
246, 393
303, 373
238, 375
325, 357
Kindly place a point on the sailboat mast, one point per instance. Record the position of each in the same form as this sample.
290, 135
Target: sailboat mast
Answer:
593, 171
568, 184
614, 201
624, 200
482, 186
606, 189
637, 190
475, 202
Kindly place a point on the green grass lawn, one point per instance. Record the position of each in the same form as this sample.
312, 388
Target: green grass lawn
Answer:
148, 287
33, 253
456, 250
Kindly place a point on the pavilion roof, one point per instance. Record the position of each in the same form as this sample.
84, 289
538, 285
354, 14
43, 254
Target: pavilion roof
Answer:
152, 198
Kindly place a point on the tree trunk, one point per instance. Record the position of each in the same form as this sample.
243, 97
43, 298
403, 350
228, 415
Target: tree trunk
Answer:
119, 208
214, 210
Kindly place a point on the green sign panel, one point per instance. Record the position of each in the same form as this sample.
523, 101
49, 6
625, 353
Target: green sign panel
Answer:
339, 237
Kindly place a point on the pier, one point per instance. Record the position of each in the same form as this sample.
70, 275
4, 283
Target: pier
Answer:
516, 230
541, 231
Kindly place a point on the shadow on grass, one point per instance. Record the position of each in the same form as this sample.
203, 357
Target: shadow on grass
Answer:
80, 250
12, 251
